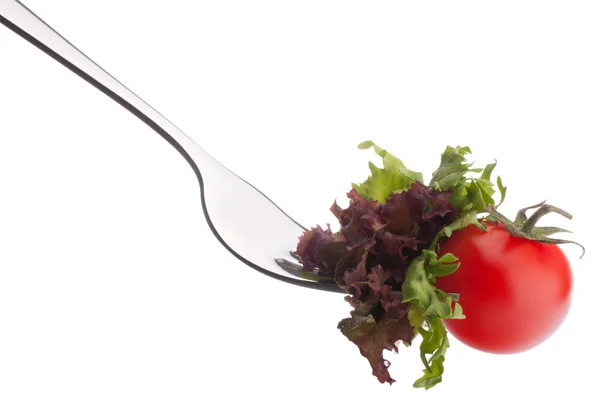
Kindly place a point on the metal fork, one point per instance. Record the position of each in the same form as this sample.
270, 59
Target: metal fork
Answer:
260, 236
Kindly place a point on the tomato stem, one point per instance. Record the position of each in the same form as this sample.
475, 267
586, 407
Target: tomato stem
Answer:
543, 210
525, 227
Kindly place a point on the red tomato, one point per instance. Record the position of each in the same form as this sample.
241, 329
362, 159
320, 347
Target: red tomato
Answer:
515, 292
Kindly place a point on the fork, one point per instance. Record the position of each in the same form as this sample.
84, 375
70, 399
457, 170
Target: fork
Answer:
261, 236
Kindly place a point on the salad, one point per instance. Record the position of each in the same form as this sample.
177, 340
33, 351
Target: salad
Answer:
423, 260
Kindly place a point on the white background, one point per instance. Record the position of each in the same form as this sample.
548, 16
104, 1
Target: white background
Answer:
113, 292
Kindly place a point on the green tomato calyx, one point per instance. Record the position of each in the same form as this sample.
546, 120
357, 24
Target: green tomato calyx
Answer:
525, 226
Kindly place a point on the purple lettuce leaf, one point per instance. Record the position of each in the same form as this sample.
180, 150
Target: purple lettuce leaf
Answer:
321, 249
368, 258
372, 338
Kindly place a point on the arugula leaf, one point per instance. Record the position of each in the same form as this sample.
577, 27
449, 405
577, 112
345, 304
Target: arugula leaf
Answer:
502, 190
416, 318
443, 266
458, 312
430, 305
468, 193
418, 290
434, 306
435, 343
487, 172
452, 168
393, 177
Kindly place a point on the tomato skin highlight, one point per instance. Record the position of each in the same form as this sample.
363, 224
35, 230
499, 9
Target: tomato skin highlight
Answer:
515, 292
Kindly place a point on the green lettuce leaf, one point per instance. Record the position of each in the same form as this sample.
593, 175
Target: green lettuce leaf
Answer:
392, 178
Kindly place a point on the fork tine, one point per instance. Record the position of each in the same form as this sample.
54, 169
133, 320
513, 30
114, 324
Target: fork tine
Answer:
295, 256
294, 269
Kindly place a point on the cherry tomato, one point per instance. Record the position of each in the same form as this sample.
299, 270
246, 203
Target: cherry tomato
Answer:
515, 292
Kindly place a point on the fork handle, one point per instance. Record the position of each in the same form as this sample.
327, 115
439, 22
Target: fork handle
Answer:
18, 18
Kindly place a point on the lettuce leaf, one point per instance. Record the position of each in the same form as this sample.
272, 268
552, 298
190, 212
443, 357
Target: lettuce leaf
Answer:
373, 337
371, 257
469, 193
393, 177
384, 255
